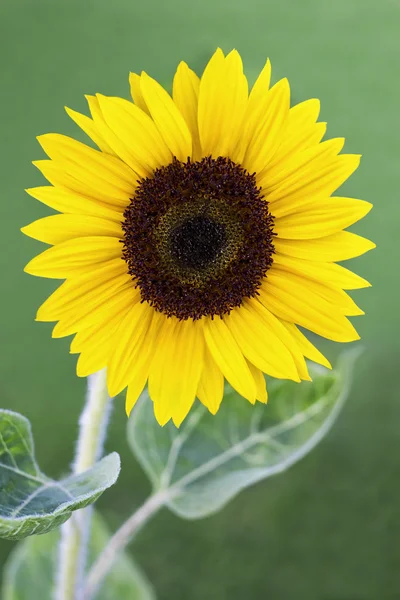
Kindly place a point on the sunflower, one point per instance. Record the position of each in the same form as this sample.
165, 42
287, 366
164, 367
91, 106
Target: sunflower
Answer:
198, 237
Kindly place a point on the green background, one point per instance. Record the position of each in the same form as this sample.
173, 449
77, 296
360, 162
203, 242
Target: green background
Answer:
330, 528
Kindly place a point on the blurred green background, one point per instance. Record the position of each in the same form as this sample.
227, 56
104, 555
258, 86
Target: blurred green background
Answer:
329, 529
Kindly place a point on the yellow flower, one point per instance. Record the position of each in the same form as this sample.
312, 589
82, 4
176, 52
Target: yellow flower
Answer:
198, 237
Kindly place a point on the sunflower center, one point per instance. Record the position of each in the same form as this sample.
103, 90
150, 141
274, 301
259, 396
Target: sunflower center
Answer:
198, 238
197, 242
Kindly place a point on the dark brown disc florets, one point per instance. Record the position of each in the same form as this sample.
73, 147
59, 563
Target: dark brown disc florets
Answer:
198, 238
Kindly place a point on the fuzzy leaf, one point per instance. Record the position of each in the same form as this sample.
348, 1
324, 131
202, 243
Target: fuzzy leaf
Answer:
30, 569
210, 459
30, 502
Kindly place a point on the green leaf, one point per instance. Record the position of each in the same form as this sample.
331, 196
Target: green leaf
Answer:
210, 459
30, 502
30, 569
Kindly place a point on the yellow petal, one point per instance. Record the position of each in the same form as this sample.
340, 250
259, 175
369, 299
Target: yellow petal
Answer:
135, 388
310, 311
229, 357
297, 284
257, 99
302, 368
275, 325
304, 114
321, 218
257, 106
139, 141
301, 131
261, 385
185, 92
223, 98
335, 247
89, 127
136, 92
210, 110
82, 313
95, 344
68, 202
175, 370
140, 373
89, 363
104, 308
101, 126
106, 177
309, 182
70, 257
131, 350
307, 348
59, 228
162, 410
259, 342
167, 117
98, 119
94, 107
321, 271
211, 385
57, 176
83, 292
299, 166
97, 337
267, 135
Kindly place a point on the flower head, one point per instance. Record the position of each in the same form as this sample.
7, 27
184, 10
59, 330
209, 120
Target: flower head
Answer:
198, 237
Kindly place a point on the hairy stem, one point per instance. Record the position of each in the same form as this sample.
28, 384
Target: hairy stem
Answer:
75, 532
121, 539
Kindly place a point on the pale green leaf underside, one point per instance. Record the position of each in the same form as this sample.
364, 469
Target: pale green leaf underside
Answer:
210, 459
30, 570
30, 502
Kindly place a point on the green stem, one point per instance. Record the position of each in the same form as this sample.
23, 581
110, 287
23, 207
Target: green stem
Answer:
121, 539
75, 532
